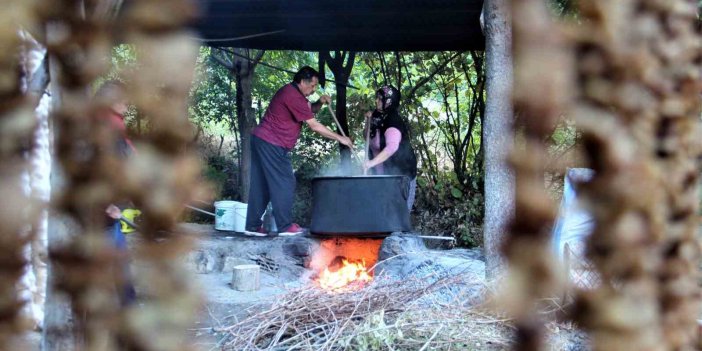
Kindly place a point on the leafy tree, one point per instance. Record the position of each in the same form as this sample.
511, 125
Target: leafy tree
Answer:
241, 65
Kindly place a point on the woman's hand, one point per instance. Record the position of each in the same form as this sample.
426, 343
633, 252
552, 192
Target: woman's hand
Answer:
368, 165
369, 114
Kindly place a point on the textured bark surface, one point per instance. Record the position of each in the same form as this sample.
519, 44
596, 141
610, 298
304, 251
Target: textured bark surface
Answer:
341, 65
246, 120
497, 131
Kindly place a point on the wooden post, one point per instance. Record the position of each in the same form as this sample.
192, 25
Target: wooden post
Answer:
246, 277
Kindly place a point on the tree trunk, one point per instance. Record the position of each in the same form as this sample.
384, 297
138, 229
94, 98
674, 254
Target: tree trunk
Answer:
246, 121
497, 132
341, 65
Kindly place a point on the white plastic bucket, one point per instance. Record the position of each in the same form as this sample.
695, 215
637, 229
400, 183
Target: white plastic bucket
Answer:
230, 216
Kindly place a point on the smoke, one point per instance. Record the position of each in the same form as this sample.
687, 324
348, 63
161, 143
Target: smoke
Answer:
341, 169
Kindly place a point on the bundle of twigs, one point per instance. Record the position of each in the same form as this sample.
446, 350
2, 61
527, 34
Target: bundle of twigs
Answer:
385, 314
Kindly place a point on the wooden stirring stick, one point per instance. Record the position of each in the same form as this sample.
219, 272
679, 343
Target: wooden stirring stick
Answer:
367, 154
338, 125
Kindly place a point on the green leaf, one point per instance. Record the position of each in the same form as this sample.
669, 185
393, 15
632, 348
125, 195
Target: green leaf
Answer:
455, 192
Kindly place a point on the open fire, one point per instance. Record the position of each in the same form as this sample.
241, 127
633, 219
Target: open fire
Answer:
344, 275
343, 263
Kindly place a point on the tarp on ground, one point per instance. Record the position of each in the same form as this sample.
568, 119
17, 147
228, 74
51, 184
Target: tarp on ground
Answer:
574, 224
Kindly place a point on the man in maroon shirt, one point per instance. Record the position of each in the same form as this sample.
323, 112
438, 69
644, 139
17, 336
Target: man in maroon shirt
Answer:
272, 178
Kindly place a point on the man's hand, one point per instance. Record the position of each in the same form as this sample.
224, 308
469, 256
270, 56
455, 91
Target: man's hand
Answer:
346, 141
113, 212
325, 99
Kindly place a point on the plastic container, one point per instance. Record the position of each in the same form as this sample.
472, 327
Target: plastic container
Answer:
230, 216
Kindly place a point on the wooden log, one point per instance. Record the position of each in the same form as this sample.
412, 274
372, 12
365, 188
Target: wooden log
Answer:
246, 277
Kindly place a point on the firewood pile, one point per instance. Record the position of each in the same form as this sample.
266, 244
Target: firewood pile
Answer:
386, 314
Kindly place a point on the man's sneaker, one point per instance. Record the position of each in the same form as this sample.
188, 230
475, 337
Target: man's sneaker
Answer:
258, 232
293, 229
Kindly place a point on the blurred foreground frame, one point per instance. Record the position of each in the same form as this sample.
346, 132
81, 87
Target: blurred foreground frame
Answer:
82, 304
629, 75
634, 92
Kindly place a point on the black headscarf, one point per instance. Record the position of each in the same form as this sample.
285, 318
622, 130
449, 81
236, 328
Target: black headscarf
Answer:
390, 100
390, 97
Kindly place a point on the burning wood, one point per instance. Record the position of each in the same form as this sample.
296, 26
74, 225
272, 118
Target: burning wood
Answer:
343, 275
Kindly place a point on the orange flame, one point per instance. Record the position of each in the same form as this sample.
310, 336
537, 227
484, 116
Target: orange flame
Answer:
348, 273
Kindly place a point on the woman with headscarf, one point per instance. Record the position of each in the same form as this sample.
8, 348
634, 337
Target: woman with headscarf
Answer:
390, 149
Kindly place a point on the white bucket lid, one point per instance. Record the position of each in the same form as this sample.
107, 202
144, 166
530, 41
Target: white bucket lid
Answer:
229, 203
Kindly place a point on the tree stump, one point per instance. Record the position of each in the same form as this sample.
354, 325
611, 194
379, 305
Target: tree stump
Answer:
246, 277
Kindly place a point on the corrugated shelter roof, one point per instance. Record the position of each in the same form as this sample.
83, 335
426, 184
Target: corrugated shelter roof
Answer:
359, 25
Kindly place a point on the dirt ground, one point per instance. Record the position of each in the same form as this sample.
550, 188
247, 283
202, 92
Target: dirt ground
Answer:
225, 305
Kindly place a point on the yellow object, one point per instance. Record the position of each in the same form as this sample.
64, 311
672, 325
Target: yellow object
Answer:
130, 214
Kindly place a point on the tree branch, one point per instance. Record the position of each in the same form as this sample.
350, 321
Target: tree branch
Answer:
258, 57
399, 70
426, 79
407, 72
228, 65
349, 64
278, 68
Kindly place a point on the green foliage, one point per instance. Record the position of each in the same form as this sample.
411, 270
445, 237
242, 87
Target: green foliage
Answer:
212, 94
441, 208
564, 8
373, 334
216, 177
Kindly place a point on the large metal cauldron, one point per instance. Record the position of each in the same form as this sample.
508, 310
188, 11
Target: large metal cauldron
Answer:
360, 205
